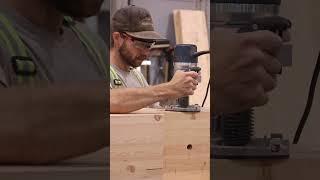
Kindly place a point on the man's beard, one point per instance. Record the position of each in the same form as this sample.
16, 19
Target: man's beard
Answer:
129, 58
78, 8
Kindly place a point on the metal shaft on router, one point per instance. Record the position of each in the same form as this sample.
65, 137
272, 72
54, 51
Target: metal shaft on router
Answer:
237, 129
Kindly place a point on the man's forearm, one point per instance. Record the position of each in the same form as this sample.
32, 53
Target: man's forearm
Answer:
130, 99
51, 124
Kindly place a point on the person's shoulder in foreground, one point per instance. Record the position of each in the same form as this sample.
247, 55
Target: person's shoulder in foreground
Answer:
49, 46
67, 116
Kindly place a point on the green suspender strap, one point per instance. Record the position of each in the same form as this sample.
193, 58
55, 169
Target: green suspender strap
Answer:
23, 64
140, 78
97, 54
115, 80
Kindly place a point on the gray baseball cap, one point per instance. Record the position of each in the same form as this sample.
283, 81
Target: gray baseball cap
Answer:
136, 22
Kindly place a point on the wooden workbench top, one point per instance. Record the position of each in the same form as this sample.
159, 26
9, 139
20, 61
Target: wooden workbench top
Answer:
92, 166
301, 165
157, 111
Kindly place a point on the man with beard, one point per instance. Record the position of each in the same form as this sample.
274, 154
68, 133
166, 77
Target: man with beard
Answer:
133, 36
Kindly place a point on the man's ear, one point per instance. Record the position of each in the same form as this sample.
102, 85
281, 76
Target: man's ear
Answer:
117, 39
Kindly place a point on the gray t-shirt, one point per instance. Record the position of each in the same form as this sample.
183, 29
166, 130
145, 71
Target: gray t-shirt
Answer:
129, 78
131, 81
61, 56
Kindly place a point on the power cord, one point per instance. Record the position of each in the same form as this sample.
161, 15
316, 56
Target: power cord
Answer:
309, 102
206, 96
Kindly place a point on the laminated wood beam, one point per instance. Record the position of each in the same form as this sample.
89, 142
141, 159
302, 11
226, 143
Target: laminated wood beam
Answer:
160, 145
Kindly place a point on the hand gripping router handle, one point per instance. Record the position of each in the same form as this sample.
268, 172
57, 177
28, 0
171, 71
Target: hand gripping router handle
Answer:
184, 101
186, 59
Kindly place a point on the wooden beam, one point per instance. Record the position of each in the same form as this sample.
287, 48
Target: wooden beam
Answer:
136, 146
160, 145
187, 146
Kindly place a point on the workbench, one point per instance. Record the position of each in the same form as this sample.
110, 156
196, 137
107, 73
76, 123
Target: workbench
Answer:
155, 144
302, 165
93, 166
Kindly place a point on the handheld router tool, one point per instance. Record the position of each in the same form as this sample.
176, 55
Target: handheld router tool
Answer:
185, 57
233, 134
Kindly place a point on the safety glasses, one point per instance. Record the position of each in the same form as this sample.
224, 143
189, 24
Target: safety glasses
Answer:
138, 43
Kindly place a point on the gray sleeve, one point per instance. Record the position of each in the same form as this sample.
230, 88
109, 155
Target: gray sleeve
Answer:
2, 78
4, 59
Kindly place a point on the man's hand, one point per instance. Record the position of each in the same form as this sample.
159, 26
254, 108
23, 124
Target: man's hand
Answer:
183, 84
245, 69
